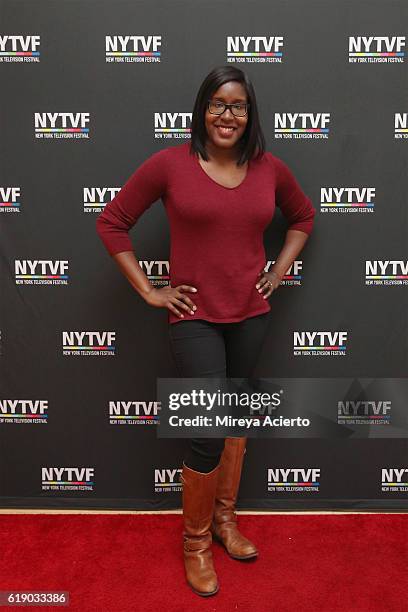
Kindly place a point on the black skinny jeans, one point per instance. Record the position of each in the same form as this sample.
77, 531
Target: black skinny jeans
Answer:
205, 349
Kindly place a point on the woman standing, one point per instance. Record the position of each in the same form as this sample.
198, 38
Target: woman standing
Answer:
220, 194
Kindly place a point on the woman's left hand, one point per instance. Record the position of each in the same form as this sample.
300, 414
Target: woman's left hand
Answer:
268, 282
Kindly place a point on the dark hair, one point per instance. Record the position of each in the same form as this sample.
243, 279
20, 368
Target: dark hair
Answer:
252, 142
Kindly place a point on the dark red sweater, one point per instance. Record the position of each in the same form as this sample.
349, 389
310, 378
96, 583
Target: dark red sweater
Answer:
216, 232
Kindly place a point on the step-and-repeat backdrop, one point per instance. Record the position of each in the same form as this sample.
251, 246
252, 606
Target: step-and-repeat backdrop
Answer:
90, 89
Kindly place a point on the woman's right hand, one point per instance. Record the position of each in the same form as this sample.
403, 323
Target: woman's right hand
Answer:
172, 298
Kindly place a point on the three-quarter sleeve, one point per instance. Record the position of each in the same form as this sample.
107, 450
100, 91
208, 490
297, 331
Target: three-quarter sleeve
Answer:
146, 185
294, 204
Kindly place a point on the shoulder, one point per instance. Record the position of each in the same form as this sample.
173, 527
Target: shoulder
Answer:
160, 161
171, 154
175, 151
280, 167
274, 161
267, 159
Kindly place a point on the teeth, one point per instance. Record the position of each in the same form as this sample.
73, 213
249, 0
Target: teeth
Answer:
225, 128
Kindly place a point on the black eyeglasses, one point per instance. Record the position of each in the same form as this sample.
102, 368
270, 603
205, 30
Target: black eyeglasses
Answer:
238, 109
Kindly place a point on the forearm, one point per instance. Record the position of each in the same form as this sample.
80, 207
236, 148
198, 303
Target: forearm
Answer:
293, 245
130, 268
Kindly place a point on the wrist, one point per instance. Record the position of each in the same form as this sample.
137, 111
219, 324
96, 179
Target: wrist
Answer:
146, 292
278, 273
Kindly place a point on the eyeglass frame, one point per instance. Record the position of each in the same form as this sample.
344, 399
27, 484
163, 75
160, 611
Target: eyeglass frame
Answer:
247, 104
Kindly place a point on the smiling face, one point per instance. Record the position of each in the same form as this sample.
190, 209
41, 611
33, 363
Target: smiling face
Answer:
224, 131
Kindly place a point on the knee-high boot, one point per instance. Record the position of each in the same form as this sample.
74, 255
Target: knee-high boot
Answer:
224, 524
198, 508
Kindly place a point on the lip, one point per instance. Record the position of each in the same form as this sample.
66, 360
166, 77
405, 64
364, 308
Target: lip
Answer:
227, 134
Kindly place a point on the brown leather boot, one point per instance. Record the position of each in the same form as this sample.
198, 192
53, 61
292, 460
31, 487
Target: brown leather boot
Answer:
224, 524
198, 508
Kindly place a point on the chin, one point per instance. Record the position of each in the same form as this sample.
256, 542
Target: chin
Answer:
225, 144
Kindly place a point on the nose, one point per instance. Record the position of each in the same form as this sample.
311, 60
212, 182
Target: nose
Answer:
228, 110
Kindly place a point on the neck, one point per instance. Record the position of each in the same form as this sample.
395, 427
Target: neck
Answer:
220, 154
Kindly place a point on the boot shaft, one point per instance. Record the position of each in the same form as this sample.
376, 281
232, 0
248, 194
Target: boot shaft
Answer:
198, 497
229, 477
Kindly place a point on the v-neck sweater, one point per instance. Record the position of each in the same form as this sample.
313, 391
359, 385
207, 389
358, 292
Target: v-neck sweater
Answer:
216, 232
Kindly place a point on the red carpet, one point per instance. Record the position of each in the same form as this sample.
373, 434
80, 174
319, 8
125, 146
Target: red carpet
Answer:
127, 563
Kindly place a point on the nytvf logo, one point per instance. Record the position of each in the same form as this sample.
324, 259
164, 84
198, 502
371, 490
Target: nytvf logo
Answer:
172, 125
319, 342
133, 48
347, 199
301, 125
134, 413
61, 125
400, 125
386, 272
375, 49
255, 49
67, 478
96, 198
293, 480
19, 48
88, 342
23, 411
394, 480
157, 272
364, 412
293, 275
167, 480
10, 199
41, 271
